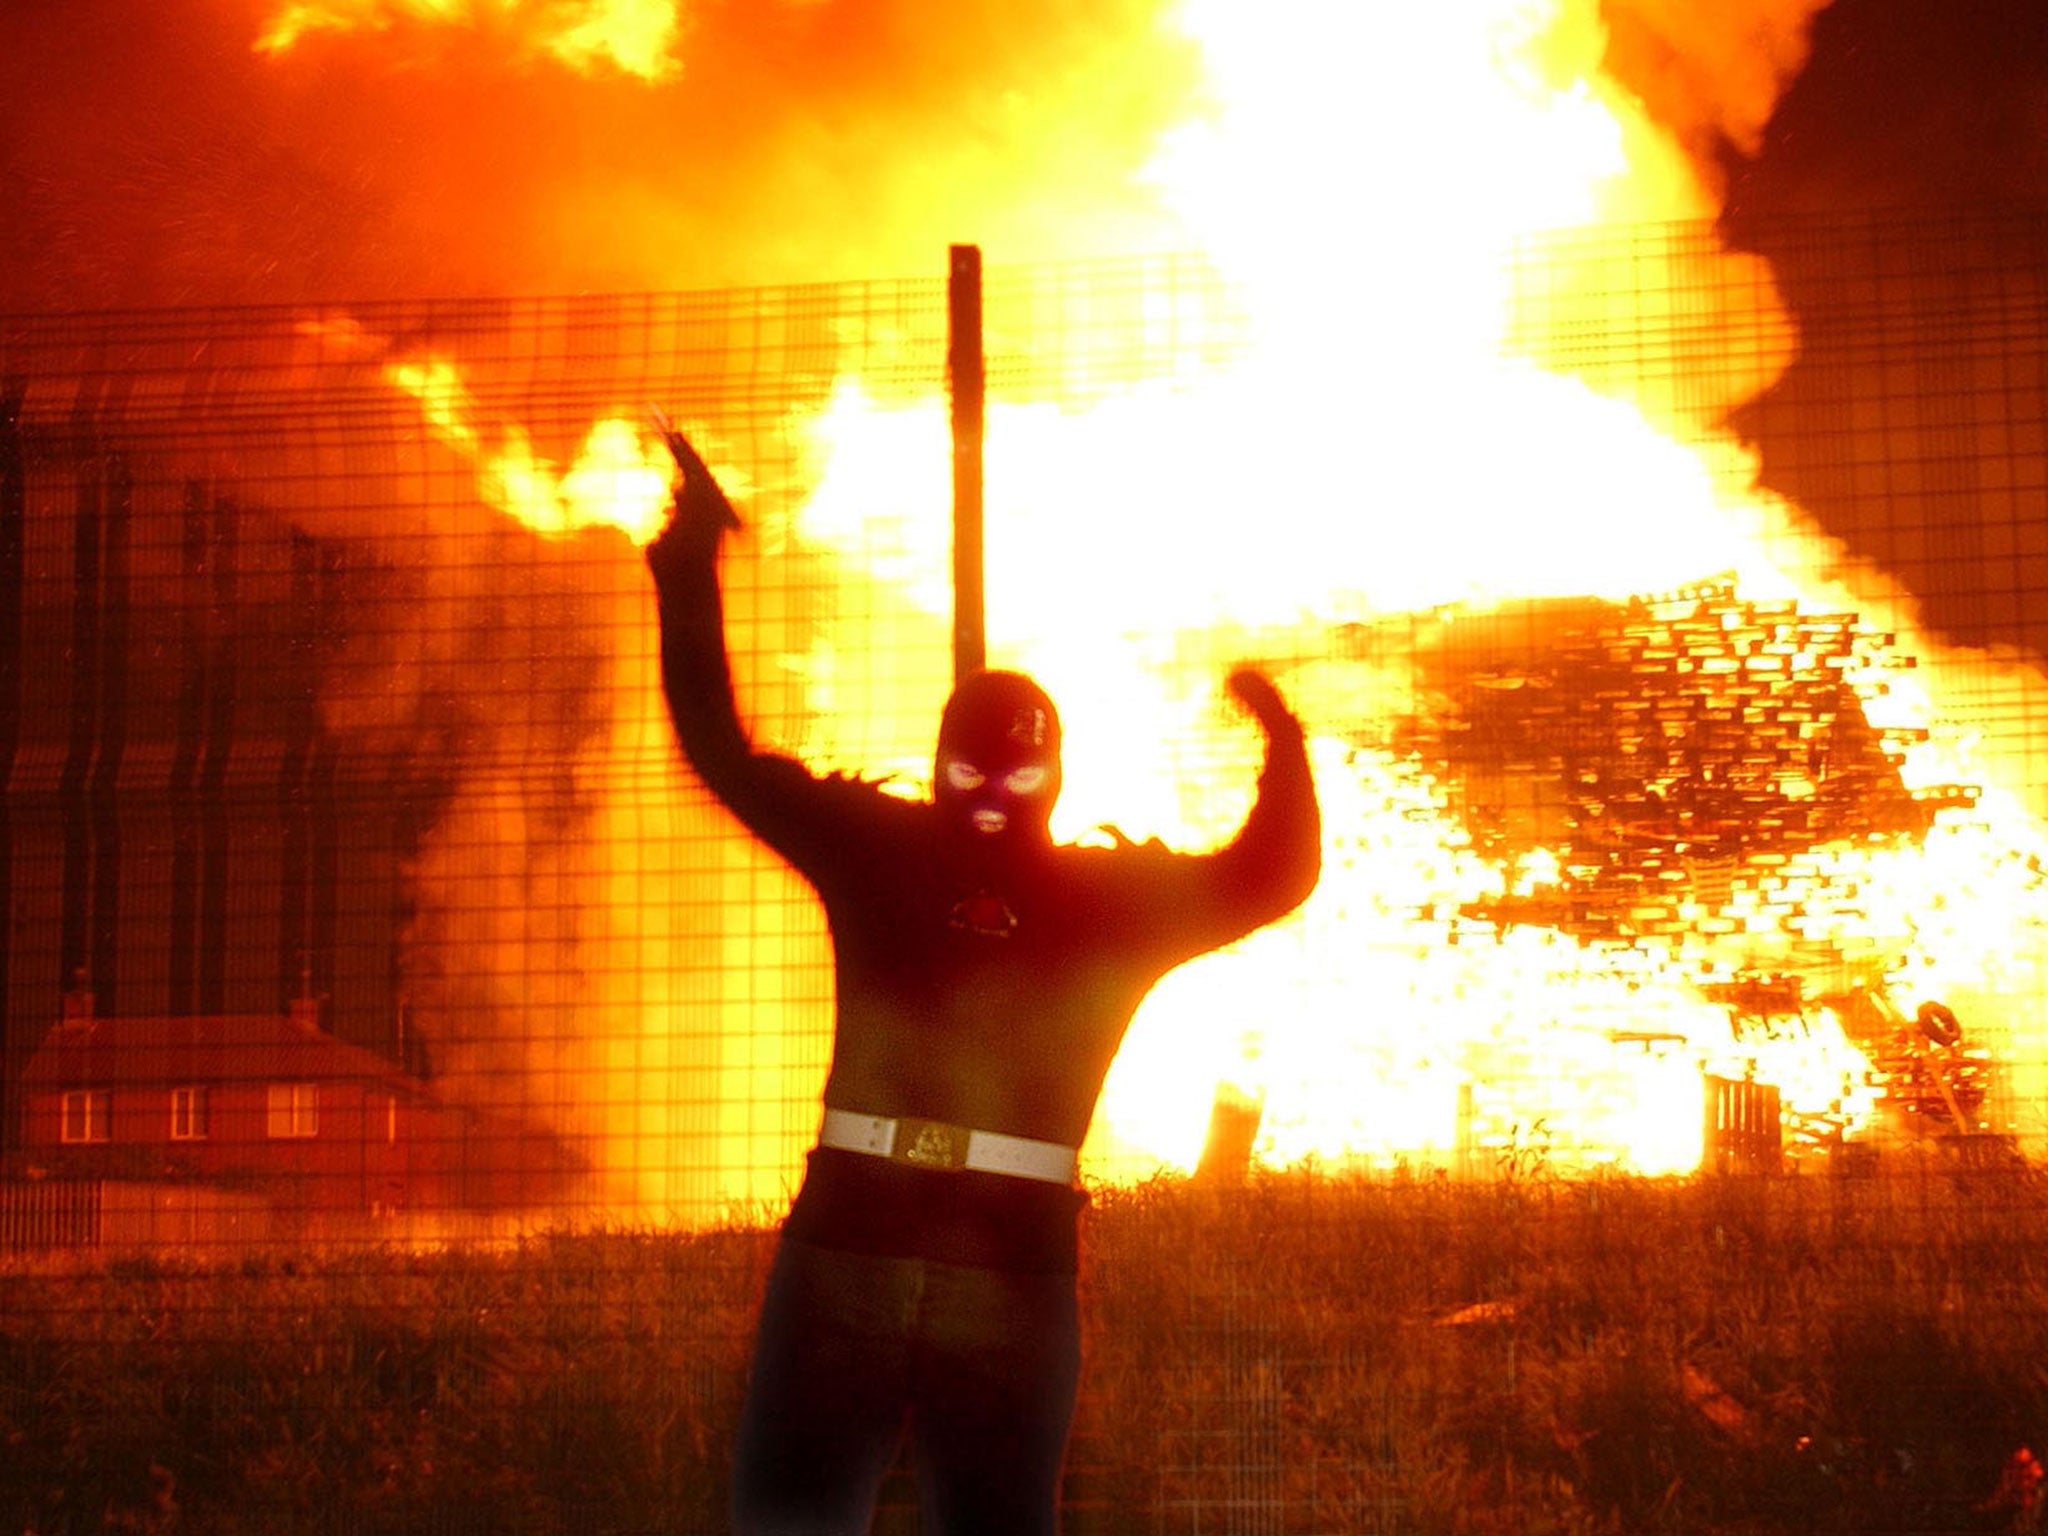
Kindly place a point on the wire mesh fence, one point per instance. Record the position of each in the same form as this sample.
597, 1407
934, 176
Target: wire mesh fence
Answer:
405, 1061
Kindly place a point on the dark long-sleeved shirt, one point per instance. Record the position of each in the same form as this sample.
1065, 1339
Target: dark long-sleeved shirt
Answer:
993, 997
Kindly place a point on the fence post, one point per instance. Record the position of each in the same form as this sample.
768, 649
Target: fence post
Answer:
966, 376
13, 548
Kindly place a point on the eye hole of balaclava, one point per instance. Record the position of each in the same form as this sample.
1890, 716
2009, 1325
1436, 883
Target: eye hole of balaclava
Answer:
998, 768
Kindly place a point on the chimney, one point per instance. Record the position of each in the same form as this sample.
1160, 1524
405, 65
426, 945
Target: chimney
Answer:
304, 1009
78, 1005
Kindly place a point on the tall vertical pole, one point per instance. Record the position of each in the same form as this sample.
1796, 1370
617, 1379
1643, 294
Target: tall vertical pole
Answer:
16, 1037
967, 377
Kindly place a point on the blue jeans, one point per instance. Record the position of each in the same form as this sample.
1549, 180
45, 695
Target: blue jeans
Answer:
979, 1365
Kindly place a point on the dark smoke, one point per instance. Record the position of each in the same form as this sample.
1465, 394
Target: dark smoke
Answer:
1907, 105
149, 156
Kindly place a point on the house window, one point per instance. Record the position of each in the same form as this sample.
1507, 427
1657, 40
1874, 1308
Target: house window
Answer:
188, 1114
294, 1109
88, 1115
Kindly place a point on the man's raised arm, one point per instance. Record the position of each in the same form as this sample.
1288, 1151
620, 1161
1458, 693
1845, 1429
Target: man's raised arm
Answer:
1279, 849
696, 674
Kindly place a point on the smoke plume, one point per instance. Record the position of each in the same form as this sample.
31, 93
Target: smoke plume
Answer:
153, 155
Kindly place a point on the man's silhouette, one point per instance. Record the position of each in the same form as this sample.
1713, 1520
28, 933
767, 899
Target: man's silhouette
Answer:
984, 975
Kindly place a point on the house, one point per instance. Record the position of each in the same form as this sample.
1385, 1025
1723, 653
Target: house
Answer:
271, 1106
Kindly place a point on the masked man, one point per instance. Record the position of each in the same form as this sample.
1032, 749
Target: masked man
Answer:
925, 1277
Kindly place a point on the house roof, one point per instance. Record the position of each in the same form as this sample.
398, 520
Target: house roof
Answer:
220, 1048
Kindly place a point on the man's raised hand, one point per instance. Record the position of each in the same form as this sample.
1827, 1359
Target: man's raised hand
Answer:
1255, 691
699, 496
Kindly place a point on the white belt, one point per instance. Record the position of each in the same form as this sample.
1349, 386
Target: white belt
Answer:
934, 1144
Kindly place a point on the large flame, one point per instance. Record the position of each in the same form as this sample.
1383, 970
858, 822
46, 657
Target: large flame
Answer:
1419, 427
1413, 428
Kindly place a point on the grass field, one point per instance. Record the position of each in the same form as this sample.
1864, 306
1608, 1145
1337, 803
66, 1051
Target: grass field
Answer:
1306, 1353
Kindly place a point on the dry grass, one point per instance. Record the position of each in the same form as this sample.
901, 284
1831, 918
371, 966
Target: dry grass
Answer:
1306, 1353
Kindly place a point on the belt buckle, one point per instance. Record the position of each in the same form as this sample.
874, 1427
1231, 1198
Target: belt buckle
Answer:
930, 1144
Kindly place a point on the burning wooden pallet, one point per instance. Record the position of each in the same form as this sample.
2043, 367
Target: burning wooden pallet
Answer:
1688, 761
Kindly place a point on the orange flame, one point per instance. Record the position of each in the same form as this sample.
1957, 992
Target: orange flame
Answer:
621, 477
634, 37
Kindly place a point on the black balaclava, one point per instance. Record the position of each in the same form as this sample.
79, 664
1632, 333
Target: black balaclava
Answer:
997, 771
